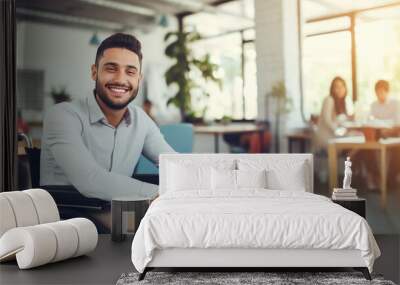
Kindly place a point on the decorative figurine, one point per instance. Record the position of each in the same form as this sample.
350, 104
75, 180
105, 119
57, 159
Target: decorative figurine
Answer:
347, 174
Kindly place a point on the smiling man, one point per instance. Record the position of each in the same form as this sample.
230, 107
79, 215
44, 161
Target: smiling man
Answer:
95, 142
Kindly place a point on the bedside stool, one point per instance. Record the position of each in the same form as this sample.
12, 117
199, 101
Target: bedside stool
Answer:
120, 209
357, 206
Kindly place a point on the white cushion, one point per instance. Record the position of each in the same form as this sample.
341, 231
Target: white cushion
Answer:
34, 244
251, 178
45, 206
66, 237
7, 220
186, 175
283, 174
230, 180
223, 179
263, 161
87, 235
23, 208
41, 244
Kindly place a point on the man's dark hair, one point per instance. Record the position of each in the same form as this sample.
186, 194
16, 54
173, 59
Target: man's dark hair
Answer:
382, 84
120, 40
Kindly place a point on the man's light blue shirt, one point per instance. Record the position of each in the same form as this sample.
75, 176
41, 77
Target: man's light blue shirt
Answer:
80, 148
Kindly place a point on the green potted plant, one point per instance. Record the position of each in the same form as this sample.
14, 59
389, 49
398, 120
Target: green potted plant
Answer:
282, 105
60, 94
185, 62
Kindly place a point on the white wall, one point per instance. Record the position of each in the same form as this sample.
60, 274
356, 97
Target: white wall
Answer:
64, 53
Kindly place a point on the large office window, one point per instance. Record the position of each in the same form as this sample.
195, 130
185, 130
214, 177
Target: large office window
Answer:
324, 59
378, 51
250, 81
228, 38
328, 52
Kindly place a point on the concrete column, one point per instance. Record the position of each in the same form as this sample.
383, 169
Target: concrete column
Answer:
277, 48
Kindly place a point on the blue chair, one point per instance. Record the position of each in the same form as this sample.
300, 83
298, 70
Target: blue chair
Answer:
178, 136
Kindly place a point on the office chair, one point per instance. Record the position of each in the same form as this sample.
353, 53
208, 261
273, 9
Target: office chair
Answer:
178, 136
70, 202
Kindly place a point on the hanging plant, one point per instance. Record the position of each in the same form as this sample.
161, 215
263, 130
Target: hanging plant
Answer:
60, 94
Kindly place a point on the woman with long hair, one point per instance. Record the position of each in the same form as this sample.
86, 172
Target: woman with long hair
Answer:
333, 113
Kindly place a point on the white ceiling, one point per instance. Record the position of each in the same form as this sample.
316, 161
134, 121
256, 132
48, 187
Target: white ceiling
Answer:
128, 14
107, 14
319, 8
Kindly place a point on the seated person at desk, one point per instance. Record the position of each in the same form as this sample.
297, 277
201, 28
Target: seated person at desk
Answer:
333, 113
385, 108
255, 142
94, 143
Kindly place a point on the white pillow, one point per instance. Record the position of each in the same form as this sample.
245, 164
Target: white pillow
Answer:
226, 179
251, 178
292, 181
283, 174
223, 179
183, 178
187, 175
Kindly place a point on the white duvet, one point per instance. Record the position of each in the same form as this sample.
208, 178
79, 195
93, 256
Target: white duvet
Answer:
250, 219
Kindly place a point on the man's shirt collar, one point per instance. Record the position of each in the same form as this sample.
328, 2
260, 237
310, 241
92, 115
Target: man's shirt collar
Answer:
96, 114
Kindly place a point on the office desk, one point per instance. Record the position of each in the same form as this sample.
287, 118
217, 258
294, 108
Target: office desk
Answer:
234, 128
300, 137
358, 143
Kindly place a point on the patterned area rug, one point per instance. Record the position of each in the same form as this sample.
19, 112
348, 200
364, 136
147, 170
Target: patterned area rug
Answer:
242, 278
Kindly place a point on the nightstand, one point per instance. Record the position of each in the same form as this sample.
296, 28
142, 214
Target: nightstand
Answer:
358, 206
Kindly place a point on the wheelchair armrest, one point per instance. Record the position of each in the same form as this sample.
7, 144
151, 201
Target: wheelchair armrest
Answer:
149, 178
69, 196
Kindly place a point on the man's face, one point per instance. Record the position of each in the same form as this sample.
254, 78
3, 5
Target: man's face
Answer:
117, 77
381, 94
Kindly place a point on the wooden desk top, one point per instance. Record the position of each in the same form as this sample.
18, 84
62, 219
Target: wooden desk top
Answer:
228, 129
360, 142
379, 125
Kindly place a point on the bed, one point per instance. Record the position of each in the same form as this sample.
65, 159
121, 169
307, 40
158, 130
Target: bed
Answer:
247, 210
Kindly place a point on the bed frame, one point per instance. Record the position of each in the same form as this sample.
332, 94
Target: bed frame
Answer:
245, 258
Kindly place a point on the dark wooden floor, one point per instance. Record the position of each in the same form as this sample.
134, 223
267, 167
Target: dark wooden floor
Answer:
103, 266
106, 264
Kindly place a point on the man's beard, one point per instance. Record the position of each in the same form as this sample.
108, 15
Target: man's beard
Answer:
102, 94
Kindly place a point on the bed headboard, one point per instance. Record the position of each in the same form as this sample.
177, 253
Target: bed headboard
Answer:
209, 158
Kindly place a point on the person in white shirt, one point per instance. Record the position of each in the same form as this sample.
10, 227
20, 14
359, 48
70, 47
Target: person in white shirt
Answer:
333, 113
385, 107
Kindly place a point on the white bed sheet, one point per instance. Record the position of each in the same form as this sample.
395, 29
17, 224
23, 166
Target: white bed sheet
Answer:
251, 218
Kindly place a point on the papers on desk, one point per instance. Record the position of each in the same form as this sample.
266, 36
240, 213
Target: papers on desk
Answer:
389, 140
361, 139
373, 123
352, 139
